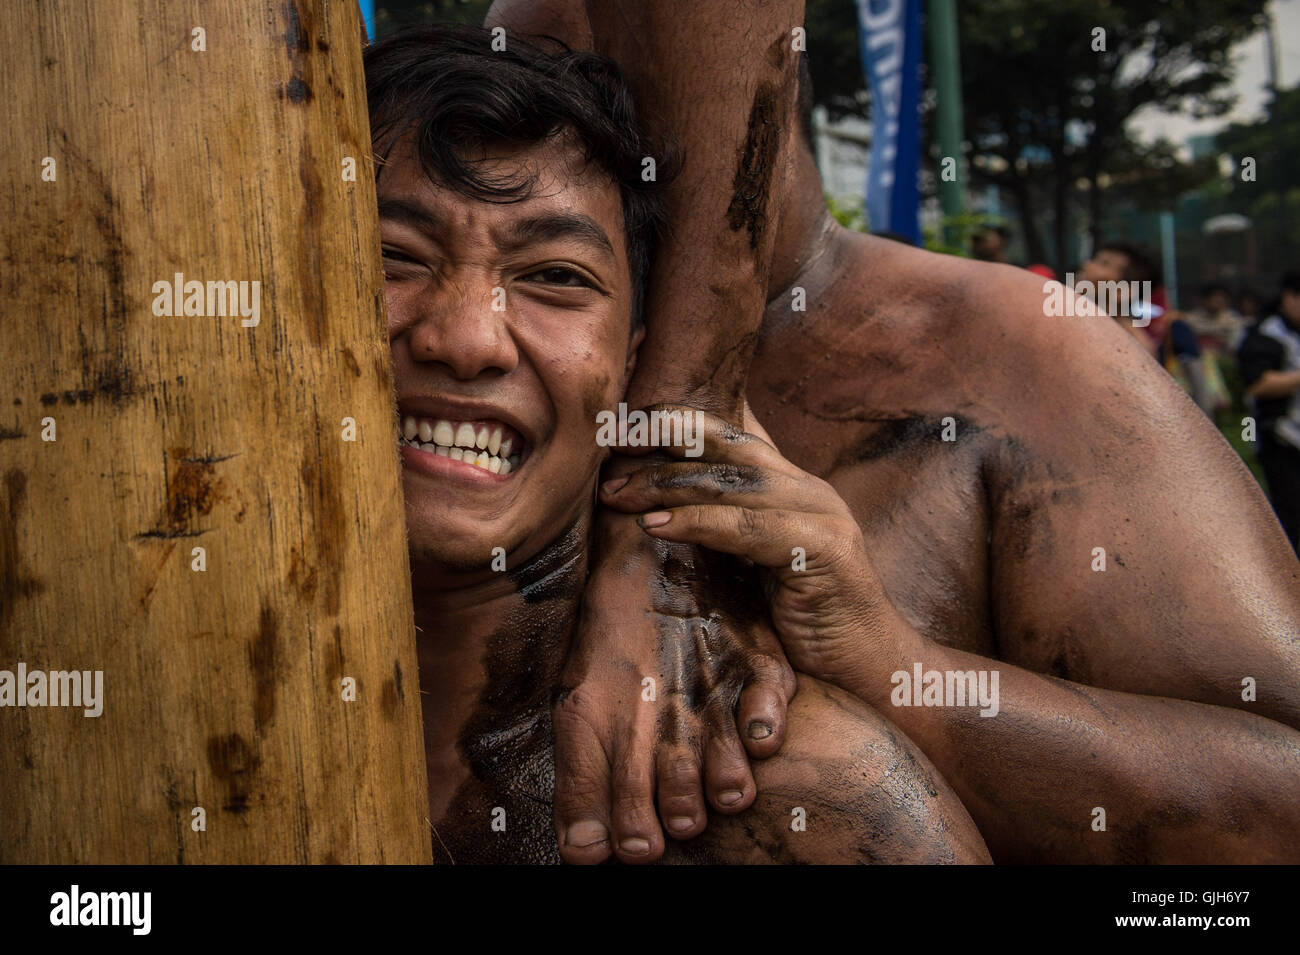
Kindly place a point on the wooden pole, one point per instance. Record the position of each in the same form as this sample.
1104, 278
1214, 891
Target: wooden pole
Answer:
226, 142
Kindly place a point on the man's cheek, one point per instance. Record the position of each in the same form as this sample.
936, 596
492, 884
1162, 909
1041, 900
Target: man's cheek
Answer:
599, 393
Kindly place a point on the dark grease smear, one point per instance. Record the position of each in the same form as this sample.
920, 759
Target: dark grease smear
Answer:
507, 741
753, 179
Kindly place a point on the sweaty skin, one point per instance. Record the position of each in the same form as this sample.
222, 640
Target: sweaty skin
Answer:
718, 75
865, 793
492, 644
1065, 439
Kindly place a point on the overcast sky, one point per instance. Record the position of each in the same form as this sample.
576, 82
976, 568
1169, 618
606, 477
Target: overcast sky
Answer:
1251, 58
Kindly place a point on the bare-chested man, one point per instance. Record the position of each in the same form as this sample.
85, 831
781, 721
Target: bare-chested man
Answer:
516, 231
1031, 494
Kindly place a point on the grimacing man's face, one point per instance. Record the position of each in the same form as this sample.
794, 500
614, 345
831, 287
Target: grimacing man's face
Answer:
509, 325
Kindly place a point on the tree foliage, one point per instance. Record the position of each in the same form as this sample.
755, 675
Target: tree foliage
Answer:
1047, 98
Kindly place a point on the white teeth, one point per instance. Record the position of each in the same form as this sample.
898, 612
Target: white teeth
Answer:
497, 464
486, 446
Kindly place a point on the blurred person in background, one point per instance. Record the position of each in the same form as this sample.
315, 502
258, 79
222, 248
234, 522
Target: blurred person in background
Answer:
1248, 306
989, 243
1163, 333
1269, 362
1219, 327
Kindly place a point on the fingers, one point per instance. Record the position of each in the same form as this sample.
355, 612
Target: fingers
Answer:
760, 714
582, 785
691, 434
763, 536
676, 483
754, 428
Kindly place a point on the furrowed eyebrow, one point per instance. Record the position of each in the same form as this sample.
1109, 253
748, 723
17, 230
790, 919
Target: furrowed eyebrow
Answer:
408, 213
560, 225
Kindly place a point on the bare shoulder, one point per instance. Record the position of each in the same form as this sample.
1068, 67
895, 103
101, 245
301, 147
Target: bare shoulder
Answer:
1130, 546
847, 787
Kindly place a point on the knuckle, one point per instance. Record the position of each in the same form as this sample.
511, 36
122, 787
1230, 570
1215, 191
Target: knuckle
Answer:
681, 771
578, 705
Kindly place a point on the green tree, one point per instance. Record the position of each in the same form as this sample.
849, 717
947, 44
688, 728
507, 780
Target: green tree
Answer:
1047, 99
1268, 151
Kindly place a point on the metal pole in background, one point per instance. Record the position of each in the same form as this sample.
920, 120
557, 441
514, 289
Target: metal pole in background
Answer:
1169, 258
945, 61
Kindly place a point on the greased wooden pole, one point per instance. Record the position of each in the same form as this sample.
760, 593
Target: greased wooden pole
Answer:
199, 484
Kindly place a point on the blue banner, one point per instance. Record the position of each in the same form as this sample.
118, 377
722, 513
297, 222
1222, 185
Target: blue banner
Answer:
889, 33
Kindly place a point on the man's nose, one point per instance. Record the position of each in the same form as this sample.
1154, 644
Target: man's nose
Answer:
463, 326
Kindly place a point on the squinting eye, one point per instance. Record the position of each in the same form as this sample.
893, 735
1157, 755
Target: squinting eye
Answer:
396, 256
559, 276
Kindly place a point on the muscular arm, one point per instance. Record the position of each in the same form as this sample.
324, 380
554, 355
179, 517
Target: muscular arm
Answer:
1177, 781
1130, 548
1275, 384
1130, 551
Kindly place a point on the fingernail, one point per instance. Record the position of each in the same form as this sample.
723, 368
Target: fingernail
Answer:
582, 835
681, 823
635, 847
759, 730
654, 519
730, 797
612, 485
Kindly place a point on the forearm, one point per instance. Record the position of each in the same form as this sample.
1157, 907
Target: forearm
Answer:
721, 76
1275, 384
1177, 781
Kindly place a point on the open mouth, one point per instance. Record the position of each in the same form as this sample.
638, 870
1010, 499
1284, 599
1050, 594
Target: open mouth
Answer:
491, 445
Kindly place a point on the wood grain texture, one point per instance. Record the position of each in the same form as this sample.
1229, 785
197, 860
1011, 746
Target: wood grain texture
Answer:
222, 688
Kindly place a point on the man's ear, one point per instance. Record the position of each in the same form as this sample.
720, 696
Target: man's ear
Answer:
633, 345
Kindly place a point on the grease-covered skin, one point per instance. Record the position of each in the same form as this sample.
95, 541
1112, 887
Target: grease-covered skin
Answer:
499, 558
1065, 438
866, 793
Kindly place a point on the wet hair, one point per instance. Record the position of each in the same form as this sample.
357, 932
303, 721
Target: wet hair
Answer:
1141, 266
456, 95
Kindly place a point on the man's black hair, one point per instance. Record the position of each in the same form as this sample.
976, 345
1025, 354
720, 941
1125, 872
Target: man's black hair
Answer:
1141, 266
456, 95
1209, 288
1290, 282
